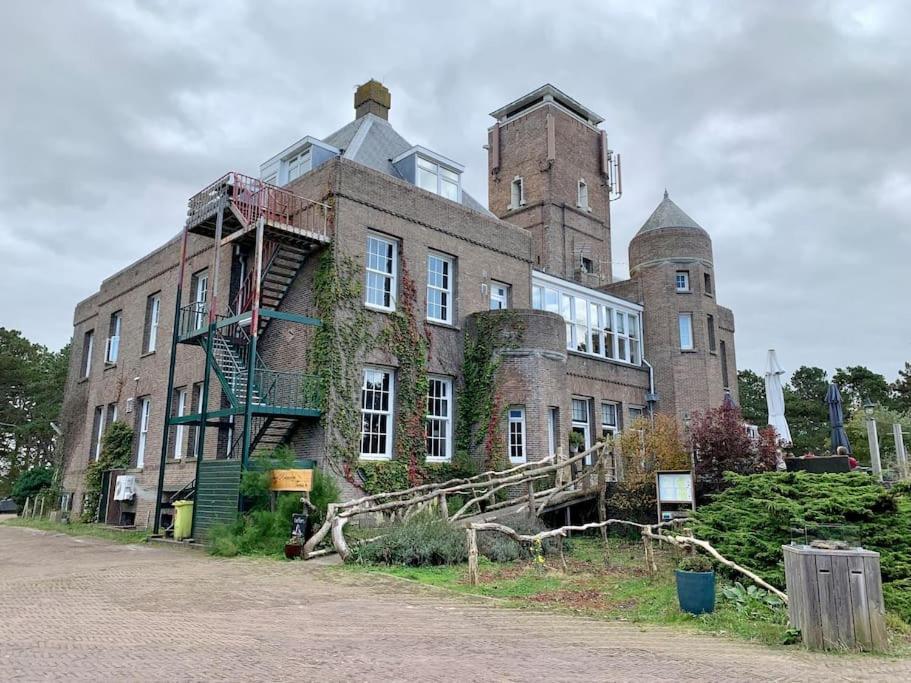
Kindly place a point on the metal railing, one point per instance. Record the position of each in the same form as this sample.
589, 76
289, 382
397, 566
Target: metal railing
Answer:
253, 199
192, 319
288, 389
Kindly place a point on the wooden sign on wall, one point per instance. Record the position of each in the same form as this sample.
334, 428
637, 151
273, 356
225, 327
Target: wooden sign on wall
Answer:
292, 480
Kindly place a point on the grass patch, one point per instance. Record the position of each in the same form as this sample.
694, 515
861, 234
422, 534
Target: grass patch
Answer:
80, 529
607, 583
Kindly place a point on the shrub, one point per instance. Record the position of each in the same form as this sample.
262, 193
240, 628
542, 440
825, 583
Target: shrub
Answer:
695, 563
31, 482
498, 547
649, 445
424, 539
755, 515
325, 490
116, 453
754, 602
722, 445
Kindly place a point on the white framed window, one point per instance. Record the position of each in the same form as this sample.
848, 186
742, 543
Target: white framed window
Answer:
438, 424
438, 179
516, 193
516, 435
580, 423
635, 412
98, 429
112, 349
145, 407
499, 296
596, 324
180, 431
88, 345
609, 423
376, 414
197, 430
582, 195
685, 324
682, 280
112, 413
553, 429
382, 270
439, 288
297, 165
153, 313
200, 297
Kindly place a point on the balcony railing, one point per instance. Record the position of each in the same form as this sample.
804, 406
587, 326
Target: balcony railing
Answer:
293, 390
253, 199
193, 319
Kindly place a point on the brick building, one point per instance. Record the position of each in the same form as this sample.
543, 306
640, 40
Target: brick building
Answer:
246, 285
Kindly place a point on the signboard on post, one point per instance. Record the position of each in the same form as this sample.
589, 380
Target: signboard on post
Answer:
292, 480
674, 488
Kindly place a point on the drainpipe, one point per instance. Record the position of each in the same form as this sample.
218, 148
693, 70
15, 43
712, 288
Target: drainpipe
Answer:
652, 397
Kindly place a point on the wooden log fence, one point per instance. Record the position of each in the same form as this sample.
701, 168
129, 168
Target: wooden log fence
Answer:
480, 489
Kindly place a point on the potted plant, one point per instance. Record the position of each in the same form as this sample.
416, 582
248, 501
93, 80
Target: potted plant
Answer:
576, 442
696, 584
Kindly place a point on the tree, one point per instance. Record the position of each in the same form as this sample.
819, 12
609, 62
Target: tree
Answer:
29, 483
31, 392
806, 410
752, 397
723, 445
901, 390
649, 445
859, 384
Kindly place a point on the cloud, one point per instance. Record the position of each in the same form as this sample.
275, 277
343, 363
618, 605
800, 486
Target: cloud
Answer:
782, 131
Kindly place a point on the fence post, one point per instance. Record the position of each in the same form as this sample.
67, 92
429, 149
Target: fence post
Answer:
444, 507
473, 578
531, 499
602, 498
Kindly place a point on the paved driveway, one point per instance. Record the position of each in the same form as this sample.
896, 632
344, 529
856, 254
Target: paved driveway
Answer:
83, 609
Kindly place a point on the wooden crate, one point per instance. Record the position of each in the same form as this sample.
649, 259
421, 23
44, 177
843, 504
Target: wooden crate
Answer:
835, 597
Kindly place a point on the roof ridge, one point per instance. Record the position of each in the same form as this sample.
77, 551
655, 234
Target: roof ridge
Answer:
668, 215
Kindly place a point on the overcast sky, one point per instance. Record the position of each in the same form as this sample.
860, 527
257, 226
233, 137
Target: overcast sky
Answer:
783, 128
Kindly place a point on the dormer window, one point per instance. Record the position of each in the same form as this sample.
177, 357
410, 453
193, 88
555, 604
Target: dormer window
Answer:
582, 196
517, 194
437, 179
298, 165
431, 171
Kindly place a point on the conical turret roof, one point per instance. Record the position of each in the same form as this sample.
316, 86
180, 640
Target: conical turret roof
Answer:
668, 215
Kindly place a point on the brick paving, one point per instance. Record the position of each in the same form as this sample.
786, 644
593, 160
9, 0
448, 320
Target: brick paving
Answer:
85, 609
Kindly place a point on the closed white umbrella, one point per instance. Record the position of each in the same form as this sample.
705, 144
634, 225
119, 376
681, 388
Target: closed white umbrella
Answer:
774, 396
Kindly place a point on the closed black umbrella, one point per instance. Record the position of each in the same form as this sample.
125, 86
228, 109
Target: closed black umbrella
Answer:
837, 418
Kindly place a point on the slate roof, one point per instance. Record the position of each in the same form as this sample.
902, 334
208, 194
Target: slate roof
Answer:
668, 215
372, 141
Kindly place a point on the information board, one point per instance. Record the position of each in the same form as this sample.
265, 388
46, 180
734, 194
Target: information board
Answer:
675, 487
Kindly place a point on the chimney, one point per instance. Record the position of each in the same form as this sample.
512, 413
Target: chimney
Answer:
372, 98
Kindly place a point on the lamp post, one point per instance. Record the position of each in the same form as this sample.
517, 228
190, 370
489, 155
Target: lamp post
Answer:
873, 438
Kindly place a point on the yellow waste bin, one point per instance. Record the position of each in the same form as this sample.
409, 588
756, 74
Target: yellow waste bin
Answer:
183, 519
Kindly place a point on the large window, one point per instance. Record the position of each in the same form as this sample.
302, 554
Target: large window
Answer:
382, 267
516, 434
180, 432
88, 345
145, 407
438, 425
609, 424
499, 296
685, 323
596, 324
439, 288
97, 432
200, 287
112, 349
580, 423
376, 414
153, 313
437, 179
298, 165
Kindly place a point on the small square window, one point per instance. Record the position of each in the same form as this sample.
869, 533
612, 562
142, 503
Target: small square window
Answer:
682, 280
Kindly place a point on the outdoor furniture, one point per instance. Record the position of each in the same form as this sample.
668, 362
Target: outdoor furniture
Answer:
819, 465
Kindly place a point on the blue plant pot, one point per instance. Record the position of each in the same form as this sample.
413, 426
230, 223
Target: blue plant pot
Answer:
696, 591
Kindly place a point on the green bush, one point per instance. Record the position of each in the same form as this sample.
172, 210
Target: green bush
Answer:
498, 547
755, 516
31, 482
116, 453
695, 563
423, 540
